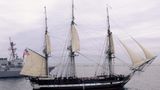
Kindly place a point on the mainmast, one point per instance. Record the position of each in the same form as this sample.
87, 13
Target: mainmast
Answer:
110, 51
13, 54
72, 53
74, 45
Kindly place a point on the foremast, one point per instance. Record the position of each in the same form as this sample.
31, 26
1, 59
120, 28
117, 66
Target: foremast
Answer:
109, 48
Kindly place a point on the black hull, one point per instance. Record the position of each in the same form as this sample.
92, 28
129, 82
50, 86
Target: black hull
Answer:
97, 83
100, 87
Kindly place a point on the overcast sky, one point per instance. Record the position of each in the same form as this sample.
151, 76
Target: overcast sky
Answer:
23, 21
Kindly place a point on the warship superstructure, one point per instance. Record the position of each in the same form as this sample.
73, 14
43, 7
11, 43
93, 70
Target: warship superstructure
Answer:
11, 67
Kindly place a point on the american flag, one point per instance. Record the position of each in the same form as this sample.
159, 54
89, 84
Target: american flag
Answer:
25, 53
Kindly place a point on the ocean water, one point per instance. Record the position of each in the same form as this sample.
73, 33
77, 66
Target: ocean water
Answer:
147, 80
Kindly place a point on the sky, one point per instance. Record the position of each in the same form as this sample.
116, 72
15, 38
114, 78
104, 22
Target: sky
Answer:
23, 21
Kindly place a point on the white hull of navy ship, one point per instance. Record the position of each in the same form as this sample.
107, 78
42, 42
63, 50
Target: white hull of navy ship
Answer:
11, 67
65, 77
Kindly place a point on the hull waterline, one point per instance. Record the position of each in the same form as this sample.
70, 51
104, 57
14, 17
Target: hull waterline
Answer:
79, 84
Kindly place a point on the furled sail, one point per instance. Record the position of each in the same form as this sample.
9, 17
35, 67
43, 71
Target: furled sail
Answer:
136, 60
147, 53
75, 39
112, 44
47, 47
35, 64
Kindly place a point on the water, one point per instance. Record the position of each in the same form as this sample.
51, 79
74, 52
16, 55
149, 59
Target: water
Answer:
148, 80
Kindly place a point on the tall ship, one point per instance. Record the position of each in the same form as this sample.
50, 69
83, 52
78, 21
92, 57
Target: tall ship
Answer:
36, 65
11, 67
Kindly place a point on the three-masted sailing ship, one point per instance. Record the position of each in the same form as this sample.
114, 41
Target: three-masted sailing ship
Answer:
36, 65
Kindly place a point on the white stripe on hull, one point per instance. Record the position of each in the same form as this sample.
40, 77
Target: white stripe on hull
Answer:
35, 86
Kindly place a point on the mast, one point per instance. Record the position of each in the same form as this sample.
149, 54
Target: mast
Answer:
110, 51
46, 32
13, 54
36, 65
46, 26
72, 53
72, 22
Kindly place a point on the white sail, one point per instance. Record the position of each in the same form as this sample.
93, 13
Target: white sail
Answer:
147, 53
47, 47
75, 39
112, 44
35, 64
136, 60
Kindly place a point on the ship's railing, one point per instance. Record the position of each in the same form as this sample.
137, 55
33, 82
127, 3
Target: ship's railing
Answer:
3, 58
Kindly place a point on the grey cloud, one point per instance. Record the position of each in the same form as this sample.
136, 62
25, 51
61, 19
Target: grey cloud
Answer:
90, 18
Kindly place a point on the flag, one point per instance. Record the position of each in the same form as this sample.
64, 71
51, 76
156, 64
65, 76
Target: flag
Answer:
25, 53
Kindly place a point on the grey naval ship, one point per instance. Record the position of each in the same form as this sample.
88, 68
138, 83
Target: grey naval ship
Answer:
11, 67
